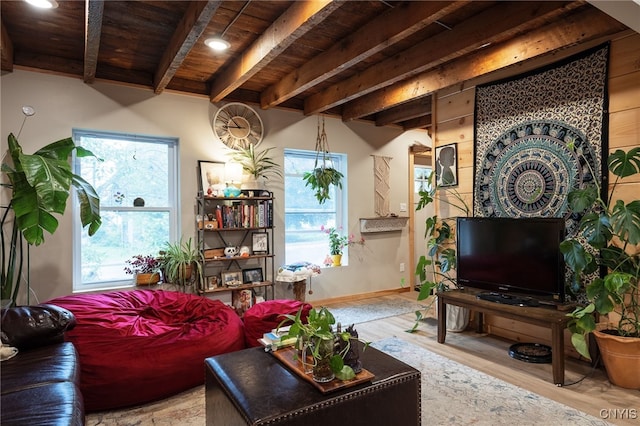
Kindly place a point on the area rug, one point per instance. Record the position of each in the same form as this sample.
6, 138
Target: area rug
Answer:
373, 311
452, 393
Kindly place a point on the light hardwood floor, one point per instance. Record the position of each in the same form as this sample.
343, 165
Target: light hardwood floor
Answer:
593, 395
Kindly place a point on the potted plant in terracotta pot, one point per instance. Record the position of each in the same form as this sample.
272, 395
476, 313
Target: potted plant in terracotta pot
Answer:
145, 269
605, 260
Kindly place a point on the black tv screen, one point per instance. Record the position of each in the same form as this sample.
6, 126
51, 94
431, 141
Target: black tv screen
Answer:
508, 255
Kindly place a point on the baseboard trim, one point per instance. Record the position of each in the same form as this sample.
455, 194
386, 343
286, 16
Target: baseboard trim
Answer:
359, 296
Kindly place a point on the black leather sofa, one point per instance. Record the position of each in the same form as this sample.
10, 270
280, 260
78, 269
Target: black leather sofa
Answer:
40, 385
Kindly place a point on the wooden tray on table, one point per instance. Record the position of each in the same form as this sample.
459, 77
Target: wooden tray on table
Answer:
289, 358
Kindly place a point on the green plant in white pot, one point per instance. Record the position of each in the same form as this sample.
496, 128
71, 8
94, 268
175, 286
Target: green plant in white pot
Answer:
258, 164
39, 186
609, 241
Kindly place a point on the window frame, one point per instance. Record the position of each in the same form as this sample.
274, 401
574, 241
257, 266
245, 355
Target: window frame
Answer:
173, 196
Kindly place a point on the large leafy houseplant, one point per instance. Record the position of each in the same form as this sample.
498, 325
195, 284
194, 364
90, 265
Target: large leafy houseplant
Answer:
39, 184
608, 240
435, 269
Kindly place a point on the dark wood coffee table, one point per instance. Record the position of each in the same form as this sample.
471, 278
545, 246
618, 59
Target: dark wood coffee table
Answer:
252, 387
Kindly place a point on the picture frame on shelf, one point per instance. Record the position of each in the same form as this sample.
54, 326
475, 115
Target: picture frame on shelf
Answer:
231, 278
213, 282
211, 177
242, 300
447, 165
260, 243
252, 275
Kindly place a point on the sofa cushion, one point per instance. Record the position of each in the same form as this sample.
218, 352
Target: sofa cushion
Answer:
35, 367
26, 327
57, 403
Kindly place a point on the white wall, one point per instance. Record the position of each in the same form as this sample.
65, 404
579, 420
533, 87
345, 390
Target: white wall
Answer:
63, 103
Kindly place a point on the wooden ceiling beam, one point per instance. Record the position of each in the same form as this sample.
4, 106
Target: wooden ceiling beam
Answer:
423, 122
378, 34
94, 11
581, 28
301, 17
404, 112
489, 26
193, 23
6, 49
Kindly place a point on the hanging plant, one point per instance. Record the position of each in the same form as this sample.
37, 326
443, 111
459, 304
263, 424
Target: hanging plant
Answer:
324, 173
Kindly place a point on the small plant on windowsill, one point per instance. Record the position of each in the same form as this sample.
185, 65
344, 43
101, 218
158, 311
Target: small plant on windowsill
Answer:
338, 242
145, 268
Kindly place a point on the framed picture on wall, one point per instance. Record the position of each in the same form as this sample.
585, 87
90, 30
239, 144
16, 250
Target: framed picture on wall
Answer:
447, 165
211, 177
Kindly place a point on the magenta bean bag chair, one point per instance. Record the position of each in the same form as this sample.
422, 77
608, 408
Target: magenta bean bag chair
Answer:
265, 316
143, 345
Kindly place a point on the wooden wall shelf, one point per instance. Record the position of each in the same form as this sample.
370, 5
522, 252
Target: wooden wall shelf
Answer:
382, 224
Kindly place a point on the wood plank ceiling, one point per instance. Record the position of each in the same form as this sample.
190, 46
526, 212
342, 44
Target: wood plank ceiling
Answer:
368, 60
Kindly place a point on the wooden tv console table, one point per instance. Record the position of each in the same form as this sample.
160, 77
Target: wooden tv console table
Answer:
548, 317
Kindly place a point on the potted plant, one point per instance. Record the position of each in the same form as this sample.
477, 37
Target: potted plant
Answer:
40, 184
337, 243
608, 240
178, 260
256, 164
435, 269
320, 340
323, 174
145, 268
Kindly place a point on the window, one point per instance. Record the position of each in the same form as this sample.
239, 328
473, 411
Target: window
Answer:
138, 188
422, 178
304, 216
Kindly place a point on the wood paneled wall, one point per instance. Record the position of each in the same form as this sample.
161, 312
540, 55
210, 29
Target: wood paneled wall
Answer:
453, 122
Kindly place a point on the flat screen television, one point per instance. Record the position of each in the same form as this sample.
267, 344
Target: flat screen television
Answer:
507, 255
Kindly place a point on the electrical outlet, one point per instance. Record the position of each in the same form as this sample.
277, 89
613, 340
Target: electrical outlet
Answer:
402, 267
403, 207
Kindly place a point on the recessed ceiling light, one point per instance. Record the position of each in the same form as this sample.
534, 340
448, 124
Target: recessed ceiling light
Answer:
217, 44
44, 4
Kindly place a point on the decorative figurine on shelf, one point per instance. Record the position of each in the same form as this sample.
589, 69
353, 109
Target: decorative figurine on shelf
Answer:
231, 251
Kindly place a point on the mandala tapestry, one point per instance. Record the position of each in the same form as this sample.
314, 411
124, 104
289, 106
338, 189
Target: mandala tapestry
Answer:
539, 135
